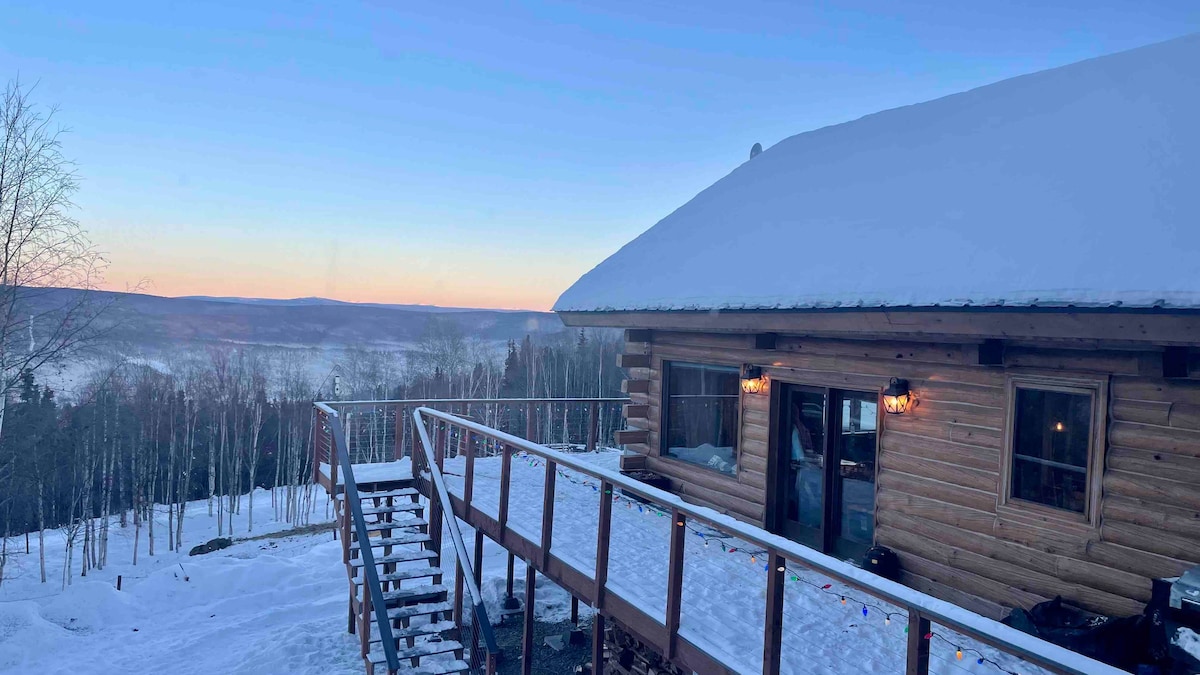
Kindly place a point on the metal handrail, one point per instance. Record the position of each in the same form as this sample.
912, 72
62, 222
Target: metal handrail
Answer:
370, 574
995, 633
460, 548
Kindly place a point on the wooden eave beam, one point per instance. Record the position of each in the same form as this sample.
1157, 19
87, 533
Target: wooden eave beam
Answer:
1169, 328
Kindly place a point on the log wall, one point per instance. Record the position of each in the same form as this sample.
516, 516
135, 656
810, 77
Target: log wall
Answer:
939, 466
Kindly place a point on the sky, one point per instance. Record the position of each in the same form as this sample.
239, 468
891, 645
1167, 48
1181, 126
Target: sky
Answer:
474, 154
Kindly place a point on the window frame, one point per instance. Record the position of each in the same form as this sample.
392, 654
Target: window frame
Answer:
664, 436
1097, 389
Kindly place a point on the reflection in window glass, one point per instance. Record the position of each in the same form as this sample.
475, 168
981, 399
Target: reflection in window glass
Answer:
1050, 448
857, 467
702, 415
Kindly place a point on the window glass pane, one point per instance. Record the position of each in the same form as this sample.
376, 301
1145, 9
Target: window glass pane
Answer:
702, 415
806, 439
1050, 448
857, 467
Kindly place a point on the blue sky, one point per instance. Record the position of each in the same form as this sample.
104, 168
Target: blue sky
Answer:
474, 153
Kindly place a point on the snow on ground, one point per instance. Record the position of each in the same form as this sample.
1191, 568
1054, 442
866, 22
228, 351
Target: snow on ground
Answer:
278, 605
259, 607
273, 605
724, 596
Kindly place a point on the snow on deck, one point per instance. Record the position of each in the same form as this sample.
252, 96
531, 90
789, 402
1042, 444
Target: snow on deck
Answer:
1069, 187
724, 597
375, 472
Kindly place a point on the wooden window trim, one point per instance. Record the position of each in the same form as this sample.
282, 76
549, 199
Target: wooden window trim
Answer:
1033, 513
664, 429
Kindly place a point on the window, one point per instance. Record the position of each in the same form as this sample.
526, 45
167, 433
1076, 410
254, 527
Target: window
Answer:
1055, 444
702, 415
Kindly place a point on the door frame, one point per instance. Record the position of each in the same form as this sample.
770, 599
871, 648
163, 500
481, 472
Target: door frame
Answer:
774, 519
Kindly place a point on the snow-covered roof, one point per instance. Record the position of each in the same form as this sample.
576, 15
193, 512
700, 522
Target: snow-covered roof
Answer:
1077, 186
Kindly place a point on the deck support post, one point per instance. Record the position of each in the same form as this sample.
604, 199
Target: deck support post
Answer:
508, 579
527, 637
918, 646
773, 633
478, 558
597, 643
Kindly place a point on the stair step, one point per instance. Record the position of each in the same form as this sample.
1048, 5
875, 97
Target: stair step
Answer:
424, 593
414, 538
433, 628
395, 524
422, 649
402, 557
394, 508
402, 492
431, 668
415, 573
421, 609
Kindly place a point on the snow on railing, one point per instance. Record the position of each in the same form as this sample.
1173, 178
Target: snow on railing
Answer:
922, 609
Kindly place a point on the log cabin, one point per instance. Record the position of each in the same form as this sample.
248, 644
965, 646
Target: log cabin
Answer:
966, 330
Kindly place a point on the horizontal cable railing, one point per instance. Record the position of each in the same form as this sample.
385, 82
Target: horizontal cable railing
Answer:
382, 431
453, 434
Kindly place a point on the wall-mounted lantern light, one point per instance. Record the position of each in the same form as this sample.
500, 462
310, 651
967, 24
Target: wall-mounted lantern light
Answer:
896, 397
753, 380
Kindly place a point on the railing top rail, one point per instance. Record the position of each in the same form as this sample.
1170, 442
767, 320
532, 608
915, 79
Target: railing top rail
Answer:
412, 401
1020, 644
460, 547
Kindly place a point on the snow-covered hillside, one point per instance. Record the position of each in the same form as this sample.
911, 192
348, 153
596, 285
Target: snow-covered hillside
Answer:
264, 606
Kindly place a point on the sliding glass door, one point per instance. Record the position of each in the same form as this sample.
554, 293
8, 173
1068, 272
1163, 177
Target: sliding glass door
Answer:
825, 469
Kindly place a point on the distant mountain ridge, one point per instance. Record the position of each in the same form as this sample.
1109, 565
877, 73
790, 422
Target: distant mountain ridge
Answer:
311, 301
156, 322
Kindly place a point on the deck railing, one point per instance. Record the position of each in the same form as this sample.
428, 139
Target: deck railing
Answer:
463, 435
483, 651
381, 431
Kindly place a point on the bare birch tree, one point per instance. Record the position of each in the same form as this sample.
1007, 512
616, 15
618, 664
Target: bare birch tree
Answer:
47, 263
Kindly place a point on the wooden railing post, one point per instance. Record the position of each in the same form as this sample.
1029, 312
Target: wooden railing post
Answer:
505, 484
593, 426
918, 646
548, 511
398, 435
468, 439
675, 579
773, 627
333, 461
530, 421
603, 529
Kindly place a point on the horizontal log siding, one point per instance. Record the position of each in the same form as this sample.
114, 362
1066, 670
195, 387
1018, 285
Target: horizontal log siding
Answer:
939, 465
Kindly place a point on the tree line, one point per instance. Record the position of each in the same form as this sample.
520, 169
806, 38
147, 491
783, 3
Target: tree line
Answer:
140, 440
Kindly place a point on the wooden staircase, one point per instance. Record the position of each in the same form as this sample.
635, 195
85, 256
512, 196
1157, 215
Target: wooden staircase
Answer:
407, 562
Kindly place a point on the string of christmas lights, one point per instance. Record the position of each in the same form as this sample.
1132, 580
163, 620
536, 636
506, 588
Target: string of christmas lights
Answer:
754, 555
